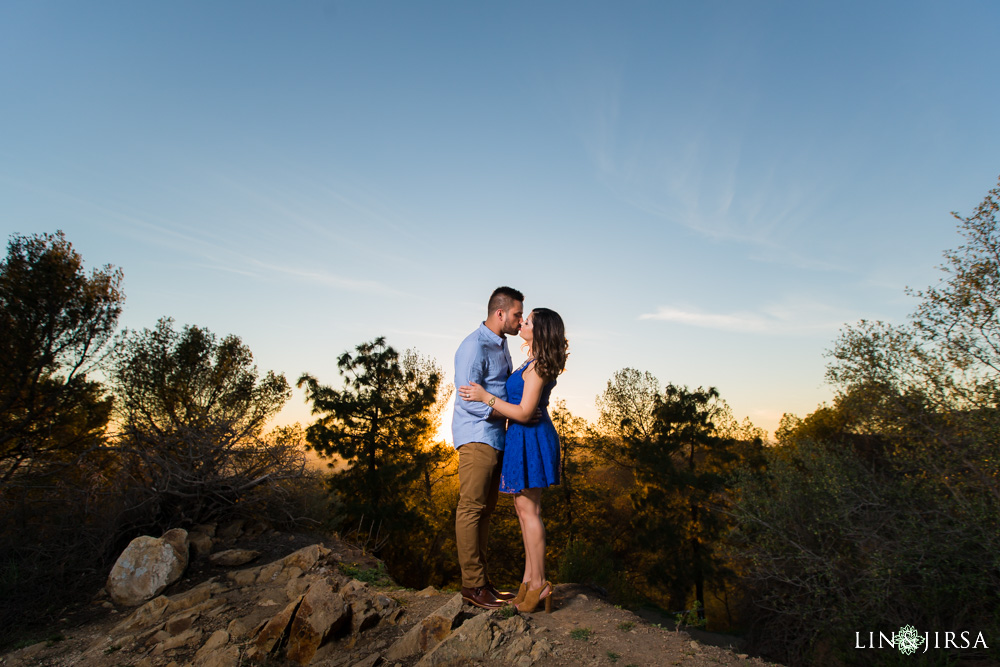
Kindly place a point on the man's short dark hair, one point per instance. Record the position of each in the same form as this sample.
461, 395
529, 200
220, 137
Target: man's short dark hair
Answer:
503, 298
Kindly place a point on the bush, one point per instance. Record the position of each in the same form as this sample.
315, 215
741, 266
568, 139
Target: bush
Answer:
57, 542
833, 545
192, 410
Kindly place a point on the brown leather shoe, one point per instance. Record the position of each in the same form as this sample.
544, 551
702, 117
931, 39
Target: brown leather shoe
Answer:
481, 597
503, 596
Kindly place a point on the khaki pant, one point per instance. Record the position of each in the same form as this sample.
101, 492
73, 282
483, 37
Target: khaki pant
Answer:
478, 488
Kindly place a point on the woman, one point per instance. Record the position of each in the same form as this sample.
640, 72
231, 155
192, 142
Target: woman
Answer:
531, 451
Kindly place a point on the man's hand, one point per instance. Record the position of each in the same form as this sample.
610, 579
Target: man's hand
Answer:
535, 417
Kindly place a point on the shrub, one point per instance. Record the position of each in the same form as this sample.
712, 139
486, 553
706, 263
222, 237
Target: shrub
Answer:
192, 411
834, 545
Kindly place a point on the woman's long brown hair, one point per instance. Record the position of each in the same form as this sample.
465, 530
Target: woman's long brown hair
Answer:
548, 343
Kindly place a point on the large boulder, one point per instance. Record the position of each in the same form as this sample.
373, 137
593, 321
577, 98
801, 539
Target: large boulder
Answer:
147, 566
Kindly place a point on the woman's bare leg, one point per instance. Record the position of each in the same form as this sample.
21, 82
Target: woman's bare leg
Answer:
527, 565
529, 510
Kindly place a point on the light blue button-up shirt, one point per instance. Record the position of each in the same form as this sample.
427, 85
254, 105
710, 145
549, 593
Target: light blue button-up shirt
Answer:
483, 358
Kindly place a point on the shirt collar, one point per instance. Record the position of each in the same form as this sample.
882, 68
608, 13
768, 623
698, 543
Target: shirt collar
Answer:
485, 331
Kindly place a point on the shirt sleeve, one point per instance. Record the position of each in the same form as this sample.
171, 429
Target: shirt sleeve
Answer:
470, 365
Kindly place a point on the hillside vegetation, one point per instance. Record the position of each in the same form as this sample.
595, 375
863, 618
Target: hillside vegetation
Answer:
872, 513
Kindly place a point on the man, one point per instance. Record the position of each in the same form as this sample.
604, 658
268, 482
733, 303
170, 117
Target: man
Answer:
479, 433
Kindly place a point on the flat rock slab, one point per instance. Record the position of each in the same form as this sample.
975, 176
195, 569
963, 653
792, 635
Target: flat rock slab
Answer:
216, 641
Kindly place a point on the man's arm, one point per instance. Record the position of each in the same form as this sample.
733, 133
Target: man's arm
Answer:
525, 412
471, 365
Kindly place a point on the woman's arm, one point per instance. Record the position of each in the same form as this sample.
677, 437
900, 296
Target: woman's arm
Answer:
524, 411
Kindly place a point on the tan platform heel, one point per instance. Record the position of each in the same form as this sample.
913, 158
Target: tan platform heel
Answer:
521, 592
531, 600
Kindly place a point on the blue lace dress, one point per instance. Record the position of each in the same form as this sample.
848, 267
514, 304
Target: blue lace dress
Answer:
531, 453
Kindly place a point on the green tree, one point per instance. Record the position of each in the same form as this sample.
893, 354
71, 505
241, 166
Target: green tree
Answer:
378, 424
836, 535
613, 535
425, 557
626, 406
192, 411
931, 387
54, 322
682, 471
588, 516
573, 432
671, 451
881, 508
961, 312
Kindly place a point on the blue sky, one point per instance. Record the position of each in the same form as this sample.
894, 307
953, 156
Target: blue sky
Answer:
708, 191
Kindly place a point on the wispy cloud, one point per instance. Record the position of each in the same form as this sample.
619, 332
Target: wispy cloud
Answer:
437, 335
320, 277
214, 249
706, 174
732, 322
222, 258
786, 319
344, 211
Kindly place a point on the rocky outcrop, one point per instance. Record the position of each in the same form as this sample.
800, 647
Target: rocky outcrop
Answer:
301, 602
302, 610
290, 608
147, 566
428, 633
216, 651
274, 635
490, 638
321, 613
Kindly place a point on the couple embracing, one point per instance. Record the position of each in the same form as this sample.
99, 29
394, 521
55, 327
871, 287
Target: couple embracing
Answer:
506, 442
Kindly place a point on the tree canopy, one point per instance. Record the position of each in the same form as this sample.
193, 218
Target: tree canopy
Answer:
378, 423
881, 509
192, 409
54, 322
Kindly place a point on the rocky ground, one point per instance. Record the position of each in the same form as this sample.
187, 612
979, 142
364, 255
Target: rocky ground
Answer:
326, 604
